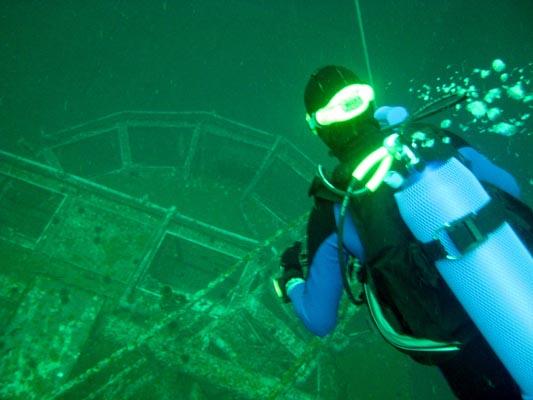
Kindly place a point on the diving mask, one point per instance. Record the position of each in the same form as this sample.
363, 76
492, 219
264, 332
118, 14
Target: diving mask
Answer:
348, 103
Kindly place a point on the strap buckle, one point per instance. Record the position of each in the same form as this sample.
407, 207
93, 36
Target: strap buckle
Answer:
465, 234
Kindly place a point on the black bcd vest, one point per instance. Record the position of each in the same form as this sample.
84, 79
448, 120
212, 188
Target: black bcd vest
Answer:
408, 285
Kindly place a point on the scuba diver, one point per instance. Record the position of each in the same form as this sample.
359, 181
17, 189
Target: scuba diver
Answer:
433, 232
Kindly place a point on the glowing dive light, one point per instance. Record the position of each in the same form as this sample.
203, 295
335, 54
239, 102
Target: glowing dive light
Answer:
384, 156
348, 103
380, 156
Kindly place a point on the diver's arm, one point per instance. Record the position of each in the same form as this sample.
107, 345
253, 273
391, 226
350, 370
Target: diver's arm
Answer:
316, 301
486, 171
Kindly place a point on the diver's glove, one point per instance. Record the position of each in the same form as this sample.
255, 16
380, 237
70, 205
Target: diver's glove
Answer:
290, 259
387, 116
291, 271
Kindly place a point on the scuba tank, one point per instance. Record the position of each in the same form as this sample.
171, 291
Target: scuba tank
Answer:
490, 272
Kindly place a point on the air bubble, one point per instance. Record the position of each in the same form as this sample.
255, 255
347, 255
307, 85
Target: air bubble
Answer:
498, 65
516, 92
477, 108
445, 124
493, 94
504, 129
493, 113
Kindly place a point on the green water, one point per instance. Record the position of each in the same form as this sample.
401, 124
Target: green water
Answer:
64, 63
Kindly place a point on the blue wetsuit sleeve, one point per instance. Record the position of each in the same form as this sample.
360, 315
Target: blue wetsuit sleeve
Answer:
486, 171
316, 301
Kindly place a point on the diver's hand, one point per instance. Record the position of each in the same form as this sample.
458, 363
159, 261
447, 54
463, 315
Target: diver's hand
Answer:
388, 116
290, 268
288, 277
290, 259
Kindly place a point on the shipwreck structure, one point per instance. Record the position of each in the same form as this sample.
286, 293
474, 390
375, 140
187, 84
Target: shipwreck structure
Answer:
137, 253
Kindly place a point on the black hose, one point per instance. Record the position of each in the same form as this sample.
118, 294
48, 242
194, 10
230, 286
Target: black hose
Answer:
423, 112
340, 236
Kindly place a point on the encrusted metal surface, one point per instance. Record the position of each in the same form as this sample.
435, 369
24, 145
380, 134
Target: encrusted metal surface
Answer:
111, 290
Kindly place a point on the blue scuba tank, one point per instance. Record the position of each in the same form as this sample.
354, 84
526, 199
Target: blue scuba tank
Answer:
493, 278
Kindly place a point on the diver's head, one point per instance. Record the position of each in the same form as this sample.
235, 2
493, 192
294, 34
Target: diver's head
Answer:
339, 109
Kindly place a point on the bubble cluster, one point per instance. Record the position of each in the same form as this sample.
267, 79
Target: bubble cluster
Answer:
499, 98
